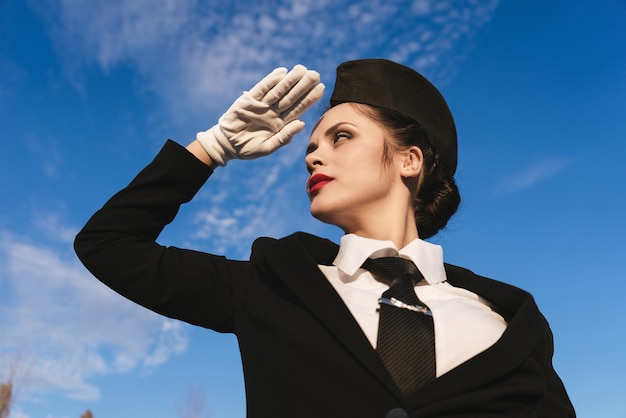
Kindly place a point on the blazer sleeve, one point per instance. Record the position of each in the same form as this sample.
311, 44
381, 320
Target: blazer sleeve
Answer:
556, 402
118, 246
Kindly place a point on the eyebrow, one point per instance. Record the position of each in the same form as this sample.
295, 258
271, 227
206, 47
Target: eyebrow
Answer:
334, 127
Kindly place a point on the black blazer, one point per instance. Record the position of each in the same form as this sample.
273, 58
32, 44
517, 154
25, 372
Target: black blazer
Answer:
303, 353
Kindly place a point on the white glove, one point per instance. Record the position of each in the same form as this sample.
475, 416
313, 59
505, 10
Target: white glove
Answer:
264, 118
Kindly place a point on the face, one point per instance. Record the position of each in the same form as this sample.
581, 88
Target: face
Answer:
350, 184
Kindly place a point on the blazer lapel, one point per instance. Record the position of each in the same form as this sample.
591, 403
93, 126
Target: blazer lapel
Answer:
513, 348
294, 260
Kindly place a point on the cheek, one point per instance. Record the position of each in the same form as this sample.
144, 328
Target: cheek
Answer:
372, 167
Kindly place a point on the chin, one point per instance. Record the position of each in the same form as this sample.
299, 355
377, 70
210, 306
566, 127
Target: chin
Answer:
319, 215
323, 215
327, 216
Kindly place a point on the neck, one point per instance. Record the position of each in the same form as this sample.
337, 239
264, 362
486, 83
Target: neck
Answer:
399, 230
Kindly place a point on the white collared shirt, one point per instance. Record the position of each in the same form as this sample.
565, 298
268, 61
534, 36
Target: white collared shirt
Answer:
464, 323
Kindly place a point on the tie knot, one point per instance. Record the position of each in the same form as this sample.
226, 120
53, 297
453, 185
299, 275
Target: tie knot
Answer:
387, 269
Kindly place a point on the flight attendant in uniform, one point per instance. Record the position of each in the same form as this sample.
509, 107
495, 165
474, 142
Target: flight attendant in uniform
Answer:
374, 326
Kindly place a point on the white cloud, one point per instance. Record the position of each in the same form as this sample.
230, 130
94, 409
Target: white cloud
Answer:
232, 231
69, 327
197, 55
50, 224
171, 340
114, 31
421, 7
534, 174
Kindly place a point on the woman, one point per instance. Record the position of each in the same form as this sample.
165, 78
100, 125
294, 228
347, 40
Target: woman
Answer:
308, 314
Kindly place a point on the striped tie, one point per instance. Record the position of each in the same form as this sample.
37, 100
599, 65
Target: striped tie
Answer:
406, 336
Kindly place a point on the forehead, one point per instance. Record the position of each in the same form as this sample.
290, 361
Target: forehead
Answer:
344, 112
340, 110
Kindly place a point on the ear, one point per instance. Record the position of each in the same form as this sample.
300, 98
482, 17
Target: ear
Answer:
412, 162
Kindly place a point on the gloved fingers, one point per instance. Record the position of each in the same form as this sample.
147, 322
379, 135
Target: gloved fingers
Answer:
267, 83
284, 136
285, 85
309, 99
307, 82
292, 128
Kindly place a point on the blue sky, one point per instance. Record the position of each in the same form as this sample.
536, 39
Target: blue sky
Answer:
89, 91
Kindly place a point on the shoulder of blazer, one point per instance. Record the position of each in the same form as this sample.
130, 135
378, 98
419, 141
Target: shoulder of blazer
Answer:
319, 250
506, 299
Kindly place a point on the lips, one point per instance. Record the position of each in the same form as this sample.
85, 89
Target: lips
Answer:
317, 181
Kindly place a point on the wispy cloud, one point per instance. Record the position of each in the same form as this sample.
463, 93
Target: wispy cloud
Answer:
198, 54
50, 225
536, 173
63, 321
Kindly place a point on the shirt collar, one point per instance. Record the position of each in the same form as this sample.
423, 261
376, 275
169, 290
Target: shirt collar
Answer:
354, 250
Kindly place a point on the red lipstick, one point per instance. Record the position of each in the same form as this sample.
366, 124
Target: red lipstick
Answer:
317, 181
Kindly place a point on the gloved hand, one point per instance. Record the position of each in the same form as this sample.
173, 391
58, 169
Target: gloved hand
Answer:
264, 118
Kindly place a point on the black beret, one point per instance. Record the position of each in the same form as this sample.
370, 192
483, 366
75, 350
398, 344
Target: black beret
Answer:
393, 86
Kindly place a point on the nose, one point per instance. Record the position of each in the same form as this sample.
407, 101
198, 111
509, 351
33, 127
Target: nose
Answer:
313, 159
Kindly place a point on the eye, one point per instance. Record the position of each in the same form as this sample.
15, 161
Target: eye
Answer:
340, 136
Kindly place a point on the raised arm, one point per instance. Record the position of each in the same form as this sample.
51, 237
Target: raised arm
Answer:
118, 244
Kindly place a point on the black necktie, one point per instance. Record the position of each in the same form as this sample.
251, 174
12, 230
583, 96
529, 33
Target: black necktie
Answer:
406, 337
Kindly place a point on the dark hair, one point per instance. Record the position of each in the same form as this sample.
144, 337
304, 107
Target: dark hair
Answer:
436, 197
